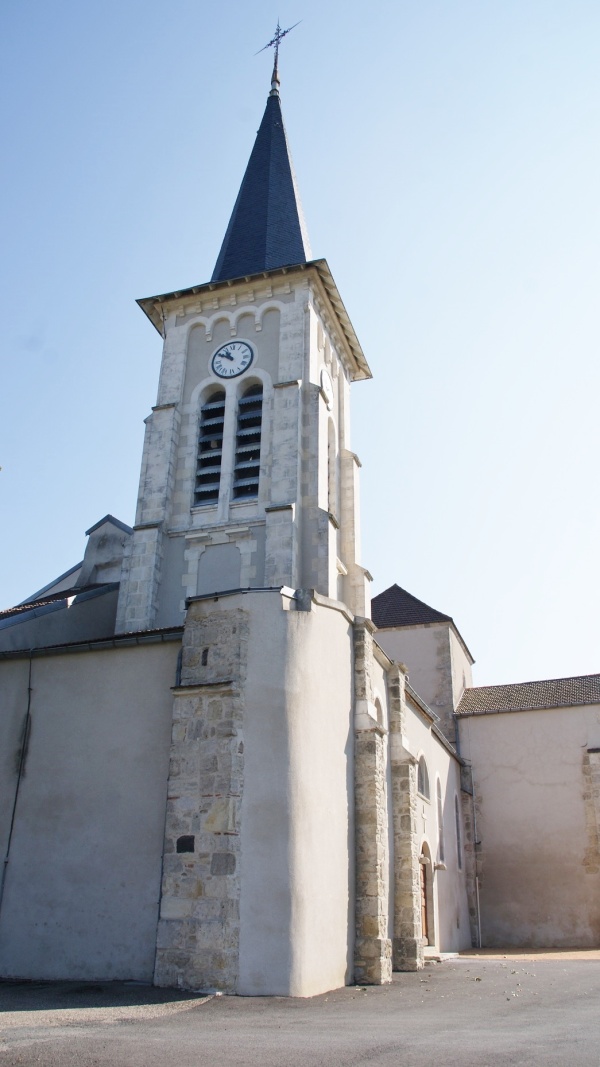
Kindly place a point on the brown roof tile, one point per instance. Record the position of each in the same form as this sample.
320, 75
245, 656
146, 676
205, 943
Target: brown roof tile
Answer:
526, 696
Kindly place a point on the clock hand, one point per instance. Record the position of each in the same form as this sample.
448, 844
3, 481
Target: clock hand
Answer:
227, 356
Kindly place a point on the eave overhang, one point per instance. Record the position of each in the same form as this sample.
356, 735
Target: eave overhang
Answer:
153, 306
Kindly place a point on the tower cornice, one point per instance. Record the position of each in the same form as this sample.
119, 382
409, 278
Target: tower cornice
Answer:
317, 271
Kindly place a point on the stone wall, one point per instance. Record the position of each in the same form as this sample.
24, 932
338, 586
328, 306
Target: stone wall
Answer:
294, 333
407, 942
141, 573
198, 935
373, 947
407, 945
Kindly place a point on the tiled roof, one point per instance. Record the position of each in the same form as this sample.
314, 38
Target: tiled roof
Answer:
396, 607
526, 696
266, 229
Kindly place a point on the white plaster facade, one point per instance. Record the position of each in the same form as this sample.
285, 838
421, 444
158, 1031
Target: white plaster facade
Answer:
439, 665
449, 928
536, 792
84, 757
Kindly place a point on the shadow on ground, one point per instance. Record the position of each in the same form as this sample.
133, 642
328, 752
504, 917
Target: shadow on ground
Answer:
56, 996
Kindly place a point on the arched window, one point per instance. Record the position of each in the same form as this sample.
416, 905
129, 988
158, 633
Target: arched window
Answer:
247, 444
458, 832
210, 449
423, 778
440, 821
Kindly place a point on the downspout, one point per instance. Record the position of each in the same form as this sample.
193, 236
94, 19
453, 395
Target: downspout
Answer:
21, 768
476, 842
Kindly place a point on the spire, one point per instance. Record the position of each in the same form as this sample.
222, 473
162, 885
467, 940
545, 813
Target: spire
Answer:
267, 228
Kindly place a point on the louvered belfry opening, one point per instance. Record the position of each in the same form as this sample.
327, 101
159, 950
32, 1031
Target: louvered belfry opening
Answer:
210, 449
247, 444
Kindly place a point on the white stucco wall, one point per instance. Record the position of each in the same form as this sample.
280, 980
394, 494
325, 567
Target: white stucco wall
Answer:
296, 935
539, 857
451, 917
83, 877
462, 674
437, 663
424, 650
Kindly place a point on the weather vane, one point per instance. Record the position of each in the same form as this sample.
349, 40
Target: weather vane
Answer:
274, 43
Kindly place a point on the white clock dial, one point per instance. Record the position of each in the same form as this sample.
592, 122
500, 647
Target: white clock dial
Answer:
232, 359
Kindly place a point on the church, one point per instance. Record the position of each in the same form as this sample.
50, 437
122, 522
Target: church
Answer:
223, 766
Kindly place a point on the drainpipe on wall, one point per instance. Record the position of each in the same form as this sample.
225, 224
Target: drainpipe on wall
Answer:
478, 911
20, 769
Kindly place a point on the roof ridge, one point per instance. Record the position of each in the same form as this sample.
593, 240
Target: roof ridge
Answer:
534, 681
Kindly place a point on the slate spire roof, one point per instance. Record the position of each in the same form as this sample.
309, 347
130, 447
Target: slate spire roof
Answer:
267, 228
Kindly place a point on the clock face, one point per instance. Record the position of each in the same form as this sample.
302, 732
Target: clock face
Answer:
232, 359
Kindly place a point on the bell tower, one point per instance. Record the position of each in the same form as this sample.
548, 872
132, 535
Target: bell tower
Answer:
248, 480
247, 534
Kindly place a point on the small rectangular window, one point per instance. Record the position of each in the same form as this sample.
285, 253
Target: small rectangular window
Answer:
186, 843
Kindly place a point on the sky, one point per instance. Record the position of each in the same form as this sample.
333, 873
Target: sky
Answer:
448, 158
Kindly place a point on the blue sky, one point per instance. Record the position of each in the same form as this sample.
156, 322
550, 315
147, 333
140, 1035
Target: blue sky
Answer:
448, 159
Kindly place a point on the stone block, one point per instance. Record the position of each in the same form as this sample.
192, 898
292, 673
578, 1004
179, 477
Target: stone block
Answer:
369, 926
407, 954
373, 961
223, 863
175, 908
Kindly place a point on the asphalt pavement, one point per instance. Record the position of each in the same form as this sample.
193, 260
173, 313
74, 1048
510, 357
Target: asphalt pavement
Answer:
471, 1010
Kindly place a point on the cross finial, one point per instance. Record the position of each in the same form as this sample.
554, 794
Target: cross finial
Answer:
274, 43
